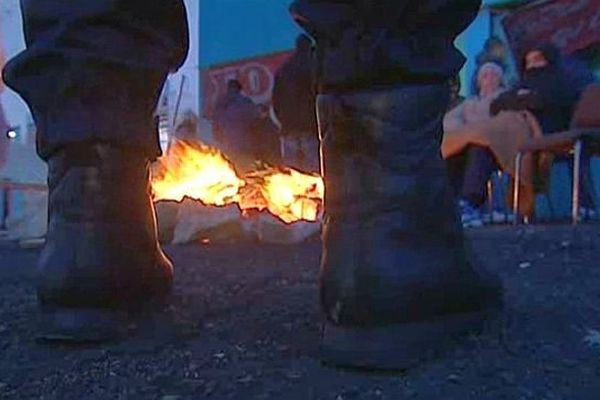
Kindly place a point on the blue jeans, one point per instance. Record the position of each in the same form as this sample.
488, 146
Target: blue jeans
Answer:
469, 172
587, 193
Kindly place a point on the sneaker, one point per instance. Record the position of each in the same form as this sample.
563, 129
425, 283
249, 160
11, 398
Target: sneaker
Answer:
470, 216
487, 218
587, 214
500, 217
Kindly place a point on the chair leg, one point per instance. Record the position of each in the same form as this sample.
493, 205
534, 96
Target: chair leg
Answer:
551, 206
490, 197
500, 176
549, 199
516, 187
576, 181
5, 198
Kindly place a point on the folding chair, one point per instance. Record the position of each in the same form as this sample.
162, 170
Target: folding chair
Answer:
584, 131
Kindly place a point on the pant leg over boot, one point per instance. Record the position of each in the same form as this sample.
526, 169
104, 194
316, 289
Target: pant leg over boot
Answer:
92, 74
101, 260
395, 279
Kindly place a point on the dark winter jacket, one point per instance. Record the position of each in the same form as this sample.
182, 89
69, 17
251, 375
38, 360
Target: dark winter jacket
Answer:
547, 92
234, 119
366, 43
294, 95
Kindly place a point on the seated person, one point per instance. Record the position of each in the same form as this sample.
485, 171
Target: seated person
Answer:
471, 168
541, 103
548, 91
544, 89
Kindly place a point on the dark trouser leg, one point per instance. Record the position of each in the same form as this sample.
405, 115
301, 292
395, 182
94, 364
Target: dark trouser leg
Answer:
456, 171
396, 281
309, 152
93, 70
91, 74
587, 191
480, 165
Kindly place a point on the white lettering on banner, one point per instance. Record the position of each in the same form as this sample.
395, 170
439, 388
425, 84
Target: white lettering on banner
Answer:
256, 79
257, 76
218, 79
259, 81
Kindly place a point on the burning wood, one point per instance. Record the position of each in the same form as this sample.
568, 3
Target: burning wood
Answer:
204, 173
196, 171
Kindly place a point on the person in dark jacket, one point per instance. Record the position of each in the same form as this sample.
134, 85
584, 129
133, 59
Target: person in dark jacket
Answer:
294, 105
265, 137
91, 75
234, 119
550, 89
545, 90
396, 281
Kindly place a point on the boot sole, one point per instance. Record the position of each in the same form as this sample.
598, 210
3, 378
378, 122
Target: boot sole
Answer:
400, 346
96, 325
80, 326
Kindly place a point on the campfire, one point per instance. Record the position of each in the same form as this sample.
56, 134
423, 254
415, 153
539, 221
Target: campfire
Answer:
205, 174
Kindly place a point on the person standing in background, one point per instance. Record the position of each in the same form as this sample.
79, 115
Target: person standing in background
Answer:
294, 105
234, 119
265, 137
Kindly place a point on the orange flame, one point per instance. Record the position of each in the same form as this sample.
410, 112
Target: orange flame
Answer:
204, 173
196, 171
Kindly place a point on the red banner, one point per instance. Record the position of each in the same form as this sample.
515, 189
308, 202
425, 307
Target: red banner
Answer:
570, 24
256, 75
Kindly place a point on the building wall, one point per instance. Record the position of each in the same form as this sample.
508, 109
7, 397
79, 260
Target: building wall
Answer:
22, 164
230, 30
471, 42
12, 42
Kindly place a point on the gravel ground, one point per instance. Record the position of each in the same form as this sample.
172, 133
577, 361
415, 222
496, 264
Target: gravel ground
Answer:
245, 325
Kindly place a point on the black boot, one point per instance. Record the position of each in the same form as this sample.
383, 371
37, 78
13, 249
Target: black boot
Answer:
101, 260
396, 283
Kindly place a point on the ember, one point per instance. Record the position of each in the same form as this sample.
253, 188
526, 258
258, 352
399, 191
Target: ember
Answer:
203, 173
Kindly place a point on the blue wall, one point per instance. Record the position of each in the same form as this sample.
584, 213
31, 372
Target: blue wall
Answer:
471, 42
235, 29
